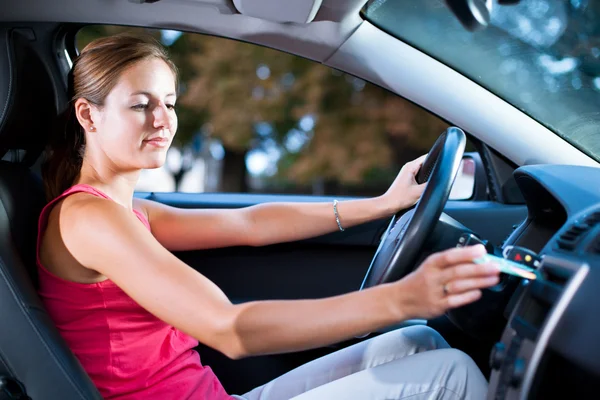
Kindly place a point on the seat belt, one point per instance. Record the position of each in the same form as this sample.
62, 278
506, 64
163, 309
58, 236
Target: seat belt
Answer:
12, 389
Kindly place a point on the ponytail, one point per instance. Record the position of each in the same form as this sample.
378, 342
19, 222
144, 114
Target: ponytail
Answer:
64, 155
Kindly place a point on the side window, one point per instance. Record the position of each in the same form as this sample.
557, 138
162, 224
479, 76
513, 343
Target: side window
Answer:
256, 120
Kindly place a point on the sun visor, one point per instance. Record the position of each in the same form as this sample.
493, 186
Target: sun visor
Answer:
298, 11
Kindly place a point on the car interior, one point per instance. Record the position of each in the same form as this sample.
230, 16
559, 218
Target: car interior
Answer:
535, 199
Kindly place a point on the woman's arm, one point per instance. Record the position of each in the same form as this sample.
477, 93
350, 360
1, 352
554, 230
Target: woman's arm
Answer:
122, 249
192, 229
269, 223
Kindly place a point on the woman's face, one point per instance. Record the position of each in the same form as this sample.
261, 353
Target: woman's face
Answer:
135, 127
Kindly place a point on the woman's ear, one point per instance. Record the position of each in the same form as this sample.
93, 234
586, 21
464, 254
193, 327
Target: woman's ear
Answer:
84, 113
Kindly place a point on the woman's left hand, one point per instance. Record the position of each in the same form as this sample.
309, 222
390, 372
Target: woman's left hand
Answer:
405, 191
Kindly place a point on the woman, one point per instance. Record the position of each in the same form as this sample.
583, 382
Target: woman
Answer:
132, 312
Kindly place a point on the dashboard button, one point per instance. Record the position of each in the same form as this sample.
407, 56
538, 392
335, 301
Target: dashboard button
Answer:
497, 355
518, 372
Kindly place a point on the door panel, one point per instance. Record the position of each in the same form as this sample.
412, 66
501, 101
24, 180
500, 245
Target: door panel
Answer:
284, 271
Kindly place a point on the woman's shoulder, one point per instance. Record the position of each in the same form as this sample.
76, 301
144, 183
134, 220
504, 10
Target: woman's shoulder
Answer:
85, 217
95, 230
84, 208
63, 240
80, 204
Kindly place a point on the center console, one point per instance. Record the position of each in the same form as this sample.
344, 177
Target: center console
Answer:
551, 343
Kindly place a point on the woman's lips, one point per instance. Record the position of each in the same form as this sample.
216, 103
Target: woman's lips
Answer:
158, 142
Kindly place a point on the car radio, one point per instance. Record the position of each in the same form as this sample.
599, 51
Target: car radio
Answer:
551, 343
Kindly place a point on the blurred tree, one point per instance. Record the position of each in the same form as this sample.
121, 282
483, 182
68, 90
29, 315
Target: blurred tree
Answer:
359, 128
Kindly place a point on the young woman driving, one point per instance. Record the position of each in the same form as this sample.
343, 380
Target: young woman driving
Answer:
132, 312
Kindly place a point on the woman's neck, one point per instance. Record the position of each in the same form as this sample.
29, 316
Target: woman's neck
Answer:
118, 186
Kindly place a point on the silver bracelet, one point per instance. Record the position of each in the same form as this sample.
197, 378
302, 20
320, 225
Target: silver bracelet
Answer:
337, 216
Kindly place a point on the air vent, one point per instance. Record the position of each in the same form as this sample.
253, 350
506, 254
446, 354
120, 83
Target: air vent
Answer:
593, 218
568, 239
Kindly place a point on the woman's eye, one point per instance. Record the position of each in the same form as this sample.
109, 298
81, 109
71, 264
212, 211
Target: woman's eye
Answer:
171, 106
140, 106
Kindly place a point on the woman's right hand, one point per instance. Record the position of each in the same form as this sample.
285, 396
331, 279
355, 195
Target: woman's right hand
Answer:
445, 280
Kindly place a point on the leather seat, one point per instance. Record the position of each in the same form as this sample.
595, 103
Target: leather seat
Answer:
31, 348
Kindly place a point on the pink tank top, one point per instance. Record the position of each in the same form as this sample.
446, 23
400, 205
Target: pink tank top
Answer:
127, 352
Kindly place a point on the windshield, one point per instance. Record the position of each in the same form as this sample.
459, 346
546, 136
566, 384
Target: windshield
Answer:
542, 56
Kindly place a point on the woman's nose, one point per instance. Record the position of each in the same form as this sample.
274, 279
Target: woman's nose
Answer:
161, 116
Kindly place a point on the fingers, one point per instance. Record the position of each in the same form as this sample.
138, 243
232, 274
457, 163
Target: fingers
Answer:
467, 282
450, 279
462, 299
469, 270
414, 165
454, 256
419, 161
460, 286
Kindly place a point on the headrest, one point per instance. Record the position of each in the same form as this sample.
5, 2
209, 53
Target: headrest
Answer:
27, 96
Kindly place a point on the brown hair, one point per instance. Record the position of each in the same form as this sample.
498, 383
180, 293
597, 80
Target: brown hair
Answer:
94, 74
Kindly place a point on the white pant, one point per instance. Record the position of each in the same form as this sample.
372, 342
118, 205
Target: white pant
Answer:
414, 362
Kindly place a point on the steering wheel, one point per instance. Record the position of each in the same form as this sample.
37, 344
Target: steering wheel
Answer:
407, 232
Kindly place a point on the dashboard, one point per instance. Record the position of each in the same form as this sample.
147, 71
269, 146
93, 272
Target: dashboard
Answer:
550, 345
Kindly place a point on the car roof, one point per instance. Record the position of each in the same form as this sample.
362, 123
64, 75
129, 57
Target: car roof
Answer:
333, 23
